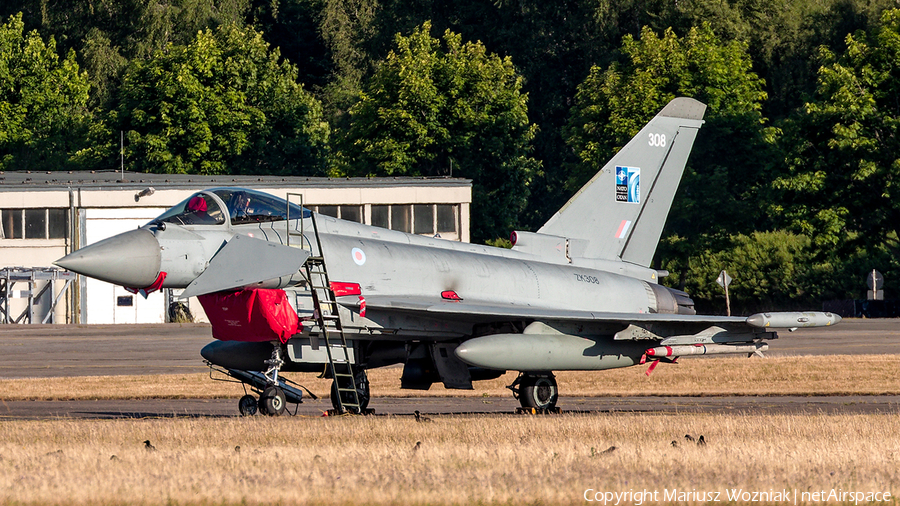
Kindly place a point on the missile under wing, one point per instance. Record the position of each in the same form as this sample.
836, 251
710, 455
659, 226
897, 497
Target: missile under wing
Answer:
291, 290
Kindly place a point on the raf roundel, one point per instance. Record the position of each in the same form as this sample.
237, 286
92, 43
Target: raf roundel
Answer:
358, 256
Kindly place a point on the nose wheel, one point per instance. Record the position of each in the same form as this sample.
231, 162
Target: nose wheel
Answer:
272, 401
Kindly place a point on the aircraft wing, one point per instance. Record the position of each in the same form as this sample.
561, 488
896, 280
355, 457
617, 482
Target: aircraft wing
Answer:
485, 311
564, 339
245, 262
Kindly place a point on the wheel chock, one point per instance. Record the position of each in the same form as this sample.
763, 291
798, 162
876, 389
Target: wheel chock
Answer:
538, 411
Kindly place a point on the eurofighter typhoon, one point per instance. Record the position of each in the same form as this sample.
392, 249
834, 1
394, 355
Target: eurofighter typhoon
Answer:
286, 289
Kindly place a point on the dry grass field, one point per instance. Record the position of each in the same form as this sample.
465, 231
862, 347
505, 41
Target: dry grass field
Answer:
450, 460
820, 375
495, 459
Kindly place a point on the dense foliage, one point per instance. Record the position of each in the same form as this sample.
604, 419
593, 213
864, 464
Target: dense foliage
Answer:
223, 103
841, 185
442, 107
793, 175
43, 101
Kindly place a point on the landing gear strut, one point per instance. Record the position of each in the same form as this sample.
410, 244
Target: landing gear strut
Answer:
274, 391
272, 400
362, 393
536, 391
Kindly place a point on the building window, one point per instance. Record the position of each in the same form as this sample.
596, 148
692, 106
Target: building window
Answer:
352, 213
349, 213
328, 211
393, 217
57, 223
33, 223
426, 219
11, 224
421, 219
400, 218
447, 218
381, 216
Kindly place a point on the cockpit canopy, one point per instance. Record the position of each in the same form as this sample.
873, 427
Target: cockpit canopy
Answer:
241, 206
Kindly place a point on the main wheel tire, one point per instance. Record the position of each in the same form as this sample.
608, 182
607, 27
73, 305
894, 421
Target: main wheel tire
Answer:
272, 401
248, 405
538, 392
362, 392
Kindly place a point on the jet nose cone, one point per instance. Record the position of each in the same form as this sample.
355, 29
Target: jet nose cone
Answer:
131, 259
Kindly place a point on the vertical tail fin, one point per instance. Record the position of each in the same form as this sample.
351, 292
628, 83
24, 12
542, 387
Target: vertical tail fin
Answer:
621, 211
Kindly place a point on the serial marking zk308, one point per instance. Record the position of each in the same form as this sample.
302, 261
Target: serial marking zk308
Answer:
290, 290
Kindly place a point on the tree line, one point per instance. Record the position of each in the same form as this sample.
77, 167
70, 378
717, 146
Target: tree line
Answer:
790, 186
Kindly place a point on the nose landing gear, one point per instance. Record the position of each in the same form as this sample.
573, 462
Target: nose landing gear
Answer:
274, 391
272, 399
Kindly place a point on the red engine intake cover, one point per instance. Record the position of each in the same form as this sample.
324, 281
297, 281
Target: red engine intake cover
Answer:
251, 315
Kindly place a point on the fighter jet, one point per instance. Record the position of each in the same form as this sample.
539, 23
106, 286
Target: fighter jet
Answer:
286, 289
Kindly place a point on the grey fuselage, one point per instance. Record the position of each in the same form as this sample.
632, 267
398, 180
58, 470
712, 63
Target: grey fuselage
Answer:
409, 271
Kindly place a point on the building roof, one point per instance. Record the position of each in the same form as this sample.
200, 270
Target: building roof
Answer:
114, 180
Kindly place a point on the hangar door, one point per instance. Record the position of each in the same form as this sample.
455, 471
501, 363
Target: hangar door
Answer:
107, 303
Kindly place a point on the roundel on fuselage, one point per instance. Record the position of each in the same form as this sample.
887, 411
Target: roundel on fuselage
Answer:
359, 256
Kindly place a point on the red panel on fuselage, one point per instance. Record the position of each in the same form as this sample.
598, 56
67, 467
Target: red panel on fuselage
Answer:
251, 315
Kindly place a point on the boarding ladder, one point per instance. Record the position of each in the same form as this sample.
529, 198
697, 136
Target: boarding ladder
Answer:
328, 317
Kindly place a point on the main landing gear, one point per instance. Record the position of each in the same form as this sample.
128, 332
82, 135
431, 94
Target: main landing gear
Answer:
536, 390
362, 393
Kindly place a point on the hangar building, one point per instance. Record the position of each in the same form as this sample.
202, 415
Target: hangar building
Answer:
44, 216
